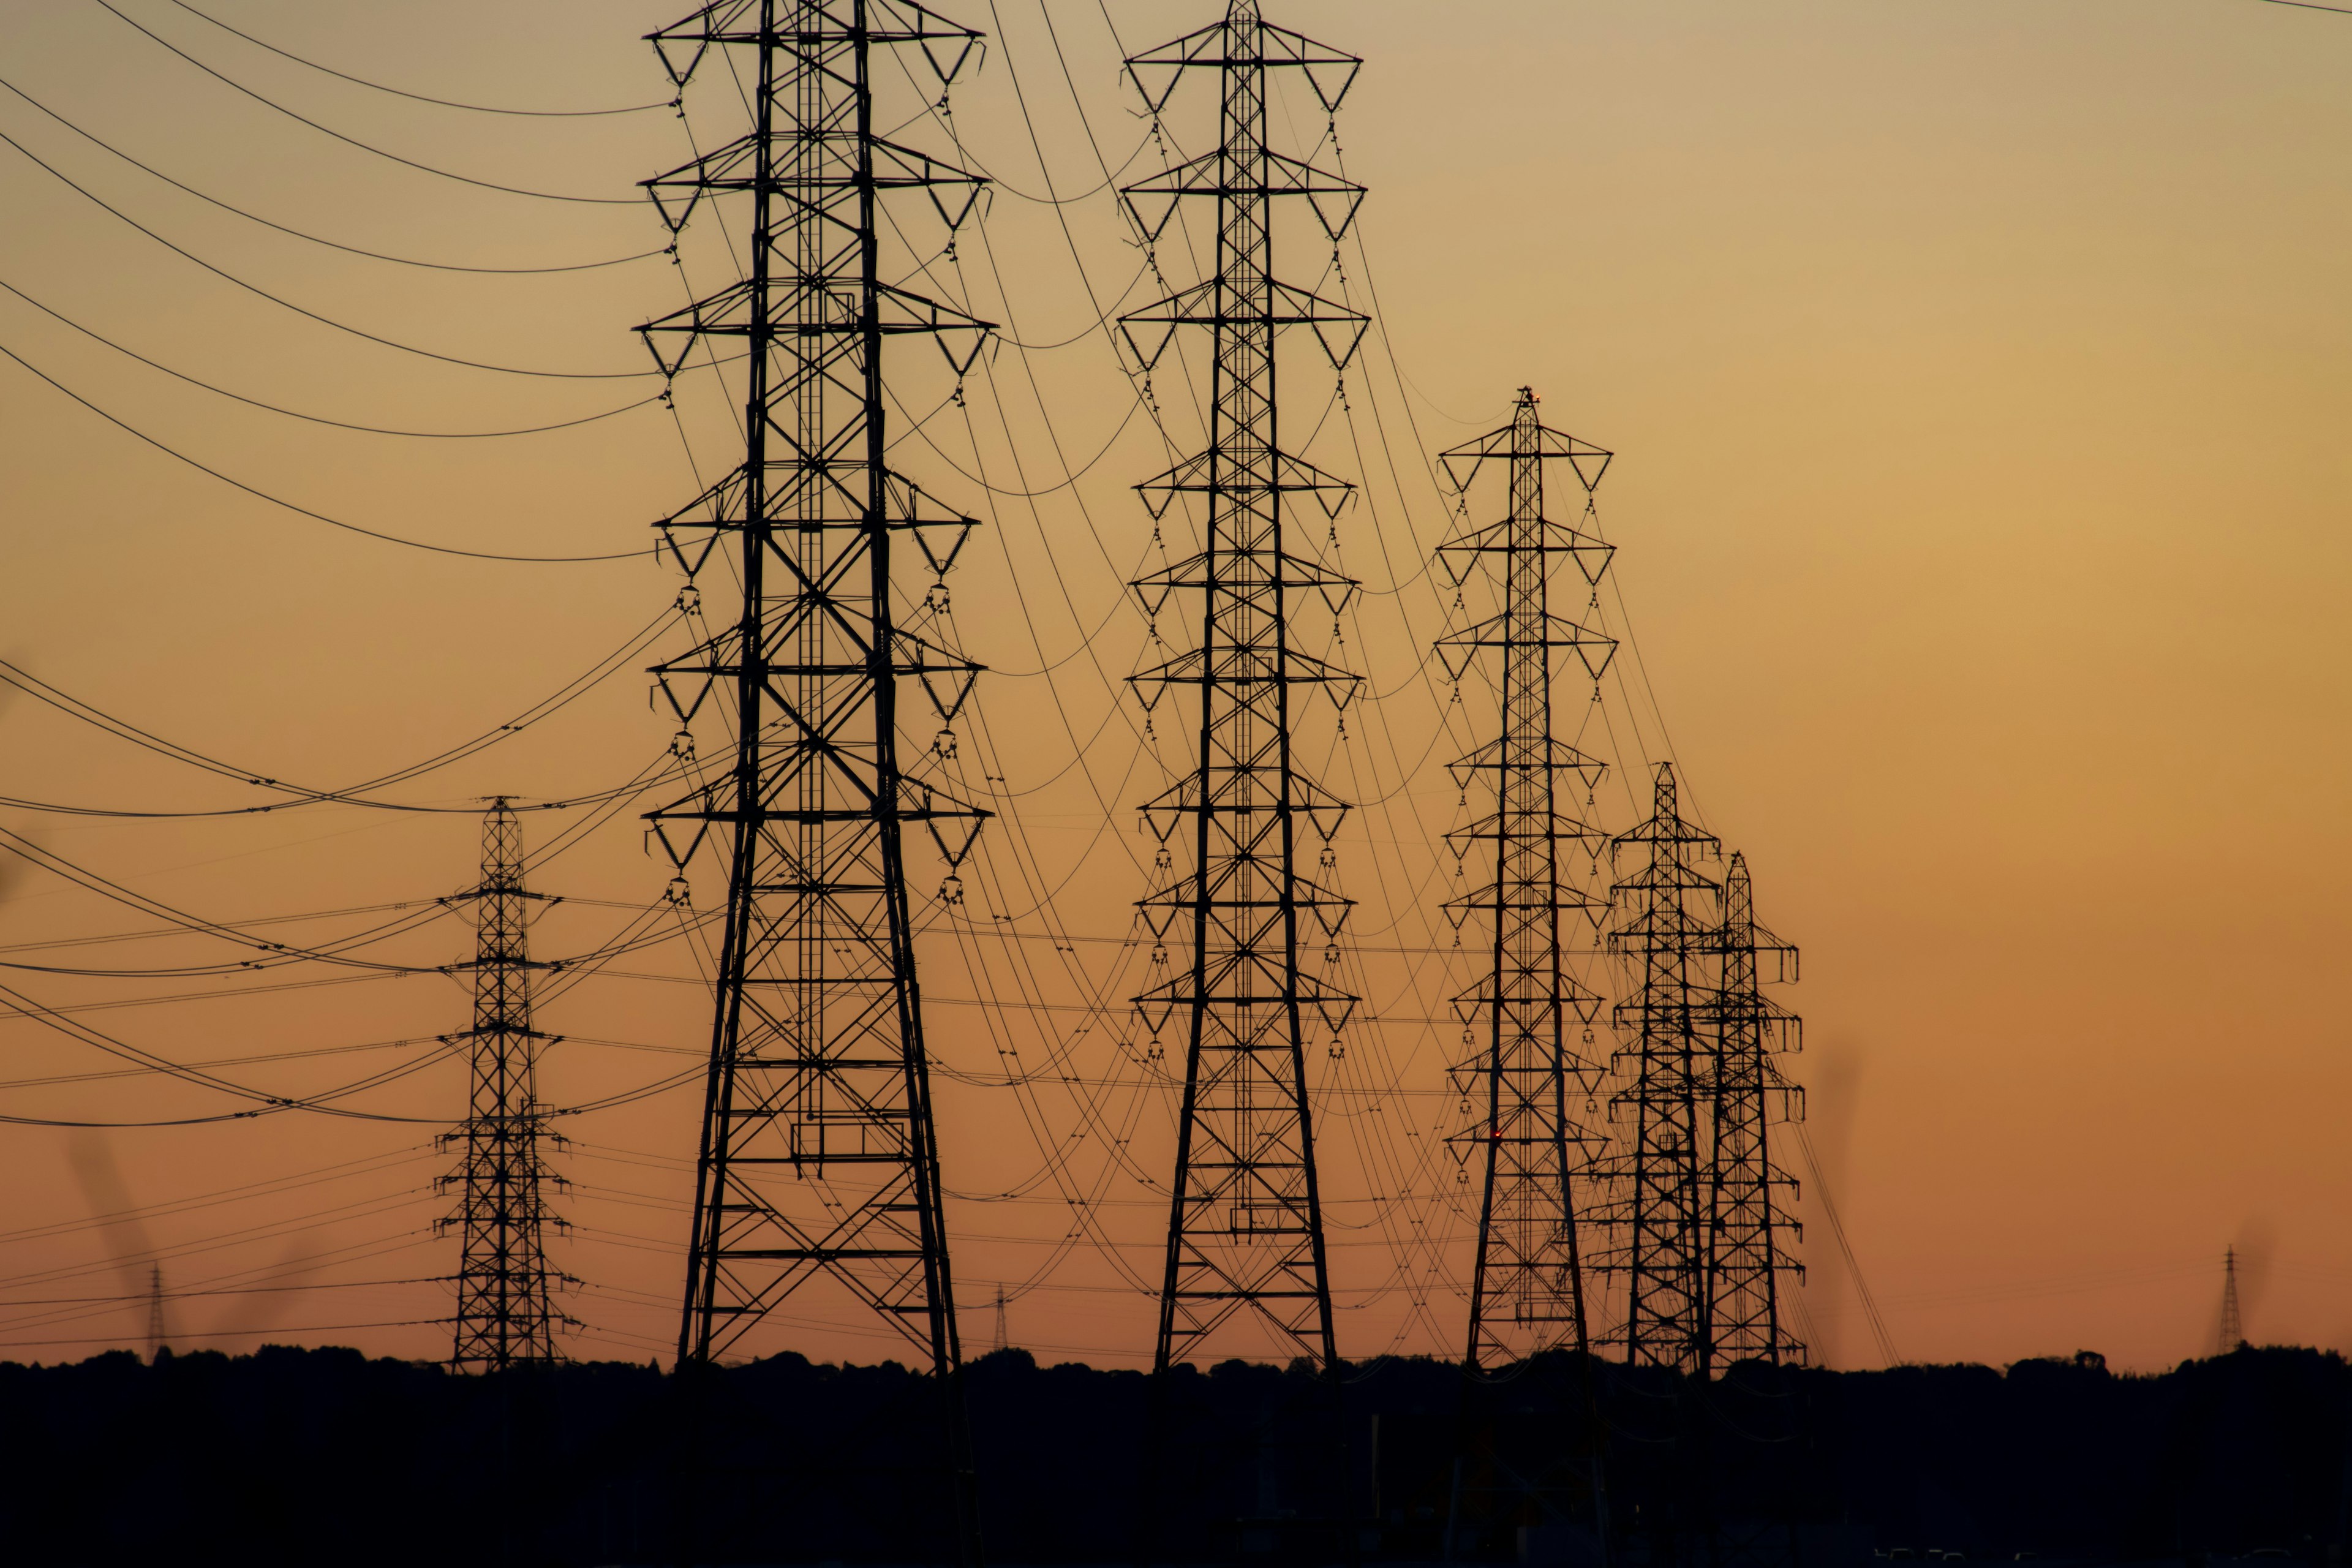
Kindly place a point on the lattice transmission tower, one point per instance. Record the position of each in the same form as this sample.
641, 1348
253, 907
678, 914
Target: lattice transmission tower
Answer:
505, 1314
1528, 1013
2233, 1322
1750, 1224
818, 1164
156, 1338
1664, 924
1245, 1225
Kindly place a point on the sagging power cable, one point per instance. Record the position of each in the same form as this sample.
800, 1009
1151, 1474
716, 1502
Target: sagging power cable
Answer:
358, 794
230, 82
318, 419
152, 172
418, 96
228, 276
295, 508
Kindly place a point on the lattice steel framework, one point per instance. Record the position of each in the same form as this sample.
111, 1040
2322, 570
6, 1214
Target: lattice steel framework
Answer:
818, 1162
2233, 1322
1750, 1225
156, 1331
505, 1313
1664, 923
1246, 1223
1527, 1293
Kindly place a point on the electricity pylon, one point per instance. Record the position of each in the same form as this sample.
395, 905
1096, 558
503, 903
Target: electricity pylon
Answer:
1245, 1223
504, 1313
1666, 921
2233, 1323
1527, 1293
156, 1339
818, 1162
1749, 1222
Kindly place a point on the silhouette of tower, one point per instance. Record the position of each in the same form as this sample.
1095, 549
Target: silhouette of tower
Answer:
156, 1336
1527, 1292
818, 1164
2233, 1326
504, 1314
1003, 1340
1747, 1224
1246, 1223
1664, 923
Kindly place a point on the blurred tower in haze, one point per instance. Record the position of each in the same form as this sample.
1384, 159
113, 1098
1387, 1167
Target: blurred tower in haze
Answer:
155, 1341
1748, 1219
1665, 925
1527, 1012
1246, 1223
504, 1315
2233, 1327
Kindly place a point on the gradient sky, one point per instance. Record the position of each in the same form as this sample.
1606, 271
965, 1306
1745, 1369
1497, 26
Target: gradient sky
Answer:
1977, 375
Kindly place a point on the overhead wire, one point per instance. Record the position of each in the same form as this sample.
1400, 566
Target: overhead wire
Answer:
418, 96
304, 234
341, 1170
230, 82
355, 795
316, 418
295, 508
280, 301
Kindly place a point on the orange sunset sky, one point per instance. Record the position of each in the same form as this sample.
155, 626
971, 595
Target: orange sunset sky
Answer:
1977, 372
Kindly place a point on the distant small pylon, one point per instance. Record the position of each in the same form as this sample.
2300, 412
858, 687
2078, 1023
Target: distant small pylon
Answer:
504, 1315
2233, 1325
156, 1338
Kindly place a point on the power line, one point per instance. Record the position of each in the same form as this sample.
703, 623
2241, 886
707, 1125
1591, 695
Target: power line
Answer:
236, 1333
227, 277
316, 418
300, 510
180, 1295
366, 1165
1878, 1332
418, 96
266, 1103
353, 141
149, 169
602, 670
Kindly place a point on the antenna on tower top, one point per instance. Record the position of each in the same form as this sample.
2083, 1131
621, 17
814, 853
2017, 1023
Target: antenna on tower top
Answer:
2233, 1324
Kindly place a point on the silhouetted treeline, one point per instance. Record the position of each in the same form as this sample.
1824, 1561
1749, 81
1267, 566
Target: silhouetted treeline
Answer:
323, 1457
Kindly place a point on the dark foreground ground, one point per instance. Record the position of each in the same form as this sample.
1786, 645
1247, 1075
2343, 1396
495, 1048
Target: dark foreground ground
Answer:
316, 1457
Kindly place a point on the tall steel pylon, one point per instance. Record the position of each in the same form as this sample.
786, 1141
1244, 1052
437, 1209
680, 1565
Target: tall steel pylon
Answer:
1664, 923
1245, 1222
505, 1316
1524, 1015
1748, 1223
818, 1164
